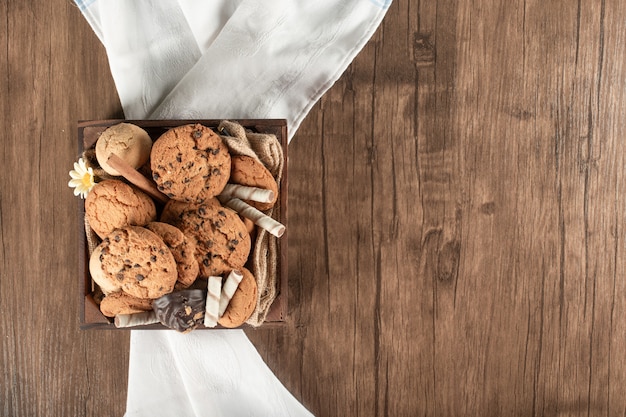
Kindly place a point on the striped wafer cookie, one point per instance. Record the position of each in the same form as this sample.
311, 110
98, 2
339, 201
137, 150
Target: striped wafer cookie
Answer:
228, 289
258, 217
245, 192
137, 319
214, 289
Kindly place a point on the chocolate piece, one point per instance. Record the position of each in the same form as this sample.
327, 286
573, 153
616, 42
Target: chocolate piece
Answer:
181, 310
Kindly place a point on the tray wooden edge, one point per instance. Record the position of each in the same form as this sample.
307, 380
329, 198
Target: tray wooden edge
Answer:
90, 316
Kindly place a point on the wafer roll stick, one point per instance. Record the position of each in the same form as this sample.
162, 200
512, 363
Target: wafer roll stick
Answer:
228, 289
212, 301
258, 217
137, 319
135, 177
245, 192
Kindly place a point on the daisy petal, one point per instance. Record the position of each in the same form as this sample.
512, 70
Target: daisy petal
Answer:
82, 178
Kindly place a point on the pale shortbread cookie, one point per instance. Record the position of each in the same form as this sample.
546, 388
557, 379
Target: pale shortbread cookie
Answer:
128, 141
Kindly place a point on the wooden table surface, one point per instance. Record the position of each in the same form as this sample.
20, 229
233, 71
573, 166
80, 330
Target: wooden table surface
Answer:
456, 218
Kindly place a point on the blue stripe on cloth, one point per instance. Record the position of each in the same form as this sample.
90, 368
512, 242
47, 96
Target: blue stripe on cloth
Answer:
383, 4
84, 4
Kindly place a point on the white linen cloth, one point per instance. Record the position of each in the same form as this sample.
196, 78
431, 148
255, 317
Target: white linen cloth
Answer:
186, 59
202, 374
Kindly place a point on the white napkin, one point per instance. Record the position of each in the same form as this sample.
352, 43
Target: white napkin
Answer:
216, 374
230, 59
221, 59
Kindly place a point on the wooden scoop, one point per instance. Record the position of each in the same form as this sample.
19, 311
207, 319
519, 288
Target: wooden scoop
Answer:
136, 178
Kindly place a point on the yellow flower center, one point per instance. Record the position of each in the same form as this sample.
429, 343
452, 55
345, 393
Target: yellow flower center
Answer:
87, 180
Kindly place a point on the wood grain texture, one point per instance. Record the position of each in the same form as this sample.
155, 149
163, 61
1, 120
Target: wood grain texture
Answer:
456, 218
53, 73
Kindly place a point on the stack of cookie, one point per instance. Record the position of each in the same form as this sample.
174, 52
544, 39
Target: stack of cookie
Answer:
158, 262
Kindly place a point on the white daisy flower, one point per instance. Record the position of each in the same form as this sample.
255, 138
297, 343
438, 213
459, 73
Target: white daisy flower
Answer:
82, 178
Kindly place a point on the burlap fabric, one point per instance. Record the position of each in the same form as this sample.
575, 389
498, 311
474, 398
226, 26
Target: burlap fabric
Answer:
264, 258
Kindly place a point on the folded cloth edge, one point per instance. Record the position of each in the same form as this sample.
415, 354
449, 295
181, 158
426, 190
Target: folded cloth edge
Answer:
332, 79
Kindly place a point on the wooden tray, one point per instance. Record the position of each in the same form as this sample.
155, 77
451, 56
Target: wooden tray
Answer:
88, 133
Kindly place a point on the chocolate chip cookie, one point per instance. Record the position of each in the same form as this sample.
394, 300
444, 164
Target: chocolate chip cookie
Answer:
246, 170
190, 163
243, 303
183, 249
222, 240
137, 261
122, 303
113, 203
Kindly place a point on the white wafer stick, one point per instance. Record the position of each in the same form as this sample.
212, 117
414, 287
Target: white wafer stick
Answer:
212, 301
259, 218
137, 319
245, 192
228, 289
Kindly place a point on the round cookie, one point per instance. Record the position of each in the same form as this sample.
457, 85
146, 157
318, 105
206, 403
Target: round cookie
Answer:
246, 170
107, 285
138, 262
243, 303
222, 240
250, 227
190, 163
126, 140
122, 303
183, 249
173, 210
112, 204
